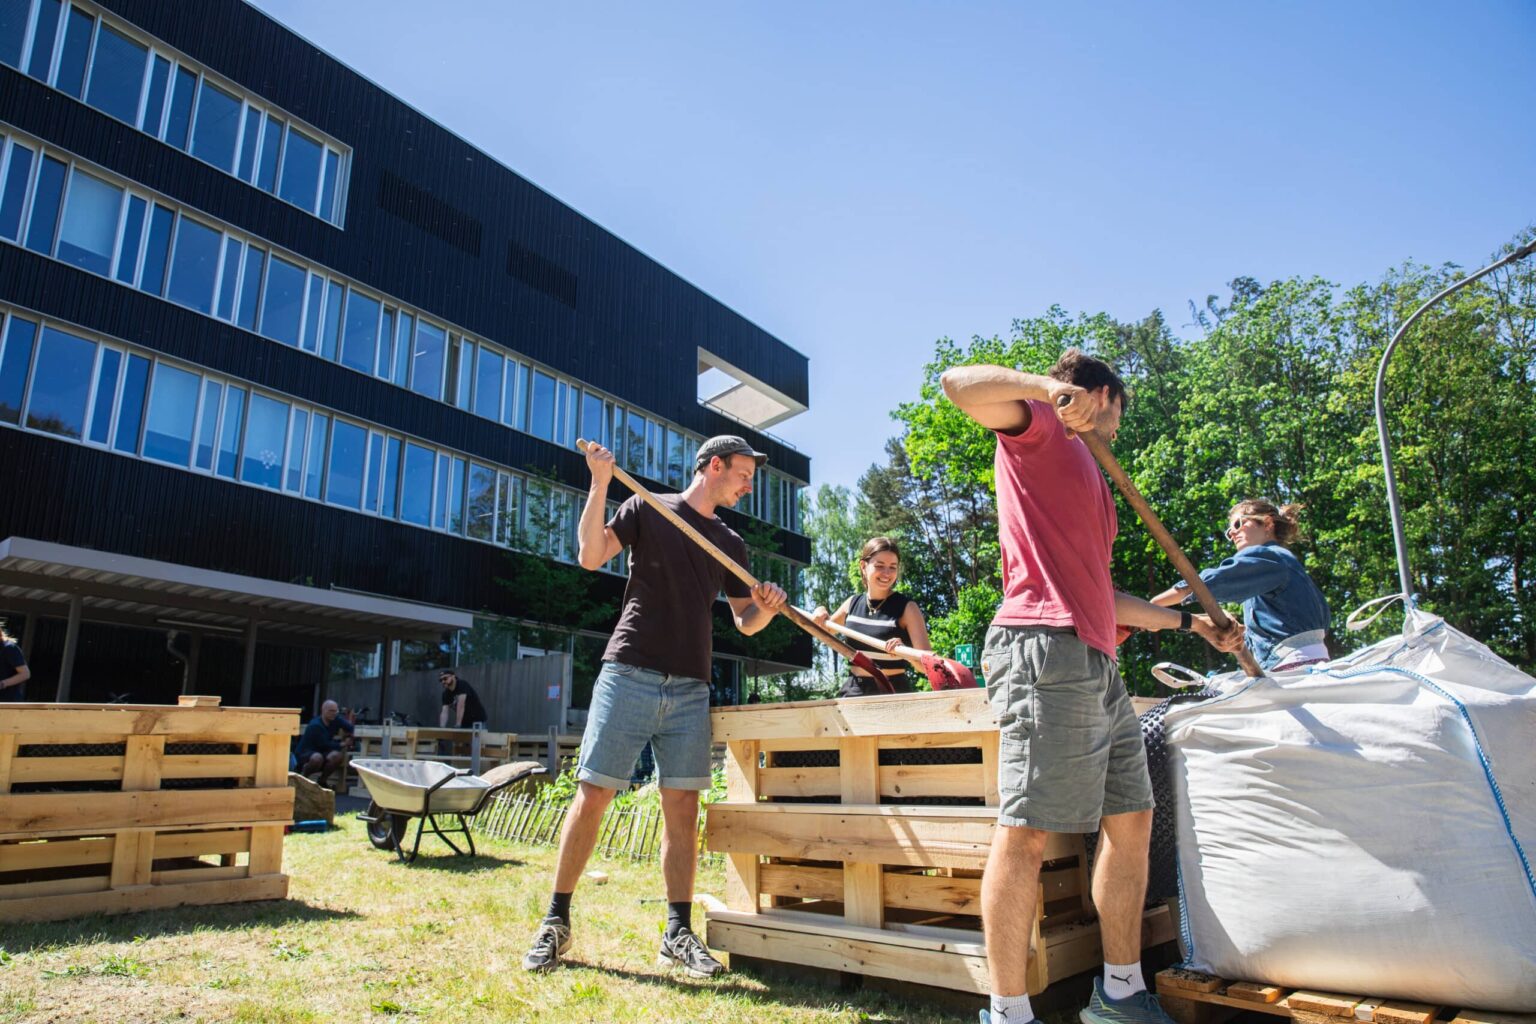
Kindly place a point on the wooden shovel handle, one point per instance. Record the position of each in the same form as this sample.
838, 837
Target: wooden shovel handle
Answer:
792, 613
1165, 540
910, 653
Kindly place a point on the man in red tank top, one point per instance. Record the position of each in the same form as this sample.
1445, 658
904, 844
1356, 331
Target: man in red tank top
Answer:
1072, 758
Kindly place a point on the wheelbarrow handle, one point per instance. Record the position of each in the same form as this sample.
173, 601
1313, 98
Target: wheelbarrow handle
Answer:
1181, 562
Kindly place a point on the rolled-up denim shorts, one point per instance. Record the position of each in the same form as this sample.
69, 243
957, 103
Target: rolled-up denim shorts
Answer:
634, 706
1070, 747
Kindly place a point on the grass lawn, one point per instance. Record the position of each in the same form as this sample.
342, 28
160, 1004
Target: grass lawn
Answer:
365, 938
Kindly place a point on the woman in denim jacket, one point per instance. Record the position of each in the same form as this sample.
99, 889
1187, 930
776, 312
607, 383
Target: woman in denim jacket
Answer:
1286, 615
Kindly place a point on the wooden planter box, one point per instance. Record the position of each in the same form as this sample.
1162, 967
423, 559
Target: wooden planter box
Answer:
856, 831
115, 808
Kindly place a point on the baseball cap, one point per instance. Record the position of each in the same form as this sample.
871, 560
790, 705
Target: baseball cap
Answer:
725, 445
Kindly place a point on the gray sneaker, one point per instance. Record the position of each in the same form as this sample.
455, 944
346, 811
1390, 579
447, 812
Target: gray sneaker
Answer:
1141, 1008
549, 944
686, 951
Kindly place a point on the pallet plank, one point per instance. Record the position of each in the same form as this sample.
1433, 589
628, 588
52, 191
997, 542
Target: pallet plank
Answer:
41, 814
1254, 992
123, 901
1329, 1004
945, 711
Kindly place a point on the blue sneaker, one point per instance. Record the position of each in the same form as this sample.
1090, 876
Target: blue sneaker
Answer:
1141, 1008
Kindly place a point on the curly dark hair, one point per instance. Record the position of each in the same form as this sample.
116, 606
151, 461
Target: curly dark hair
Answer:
1077, 367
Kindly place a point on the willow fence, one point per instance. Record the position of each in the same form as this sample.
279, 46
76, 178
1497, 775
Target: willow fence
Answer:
627, 831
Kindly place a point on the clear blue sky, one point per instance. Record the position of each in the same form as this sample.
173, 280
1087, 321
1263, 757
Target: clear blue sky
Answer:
863, 178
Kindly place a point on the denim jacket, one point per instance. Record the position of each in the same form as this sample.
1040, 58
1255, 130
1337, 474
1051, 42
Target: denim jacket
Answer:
1279, 598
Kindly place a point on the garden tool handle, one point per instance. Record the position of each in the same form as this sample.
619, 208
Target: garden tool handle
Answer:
910, 653
1181, 562
792, 613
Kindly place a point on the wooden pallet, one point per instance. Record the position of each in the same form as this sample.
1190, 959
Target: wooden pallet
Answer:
145, 816
838, 866
1194, 998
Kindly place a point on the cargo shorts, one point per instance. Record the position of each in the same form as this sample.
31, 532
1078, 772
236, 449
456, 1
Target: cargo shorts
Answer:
1070, 747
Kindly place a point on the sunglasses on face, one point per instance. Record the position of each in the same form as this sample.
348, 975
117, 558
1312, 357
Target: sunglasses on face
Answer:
1236, 524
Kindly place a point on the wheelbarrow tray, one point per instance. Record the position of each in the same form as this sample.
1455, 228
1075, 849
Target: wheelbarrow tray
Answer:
405, 787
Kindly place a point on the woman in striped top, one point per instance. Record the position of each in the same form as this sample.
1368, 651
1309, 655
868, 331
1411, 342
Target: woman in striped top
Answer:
882, 613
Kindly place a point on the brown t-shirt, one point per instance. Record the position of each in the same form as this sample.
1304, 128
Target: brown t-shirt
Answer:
666, 625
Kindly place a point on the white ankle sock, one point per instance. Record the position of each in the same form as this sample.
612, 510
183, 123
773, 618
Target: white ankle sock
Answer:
1123, 980
1011, 1010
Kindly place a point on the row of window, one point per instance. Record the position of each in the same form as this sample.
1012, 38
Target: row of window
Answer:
60, 209
60, 382
108, 66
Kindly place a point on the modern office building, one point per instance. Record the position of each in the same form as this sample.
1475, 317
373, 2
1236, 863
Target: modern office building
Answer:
288, 368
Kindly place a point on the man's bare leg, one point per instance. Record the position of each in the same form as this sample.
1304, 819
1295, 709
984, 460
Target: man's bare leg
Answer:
679, 842
1120, 884
1010, 894
579, 836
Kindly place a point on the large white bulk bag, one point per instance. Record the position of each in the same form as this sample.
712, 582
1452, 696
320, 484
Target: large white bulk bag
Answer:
1366, 826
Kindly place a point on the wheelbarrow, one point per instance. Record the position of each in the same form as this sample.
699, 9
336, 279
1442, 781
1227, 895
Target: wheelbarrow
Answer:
402, 789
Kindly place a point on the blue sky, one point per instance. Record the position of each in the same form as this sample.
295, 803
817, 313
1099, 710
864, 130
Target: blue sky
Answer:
863, 178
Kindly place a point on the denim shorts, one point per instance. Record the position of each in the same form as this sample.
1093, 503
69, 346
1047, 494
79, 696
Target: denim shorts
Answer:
634, 706
1070, 746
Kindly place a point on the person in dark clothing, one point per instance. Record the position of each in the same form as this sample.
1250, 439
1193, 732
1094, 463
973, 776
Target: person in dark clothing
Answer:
654, 684
324, 743
13, 669
883, 614
461, 704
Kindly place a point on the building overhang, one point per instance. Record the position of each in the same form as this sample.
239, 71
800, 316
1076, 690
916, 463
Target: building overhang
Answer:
43, 578
742, 396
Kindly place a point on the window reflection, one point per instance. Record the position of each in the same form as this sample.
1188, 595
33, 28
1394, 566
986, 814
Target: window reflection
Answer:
61, 382
217, 128
359, 347
344, 481
194, 264
416, 485
117, 74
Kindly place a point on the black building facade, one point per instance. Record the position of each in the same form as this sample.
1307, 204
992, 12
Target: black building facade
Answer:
262, 318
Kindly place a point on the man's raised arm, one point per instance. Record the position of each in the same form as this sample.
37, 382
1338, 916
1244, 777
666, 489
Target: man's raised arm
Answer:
995, 396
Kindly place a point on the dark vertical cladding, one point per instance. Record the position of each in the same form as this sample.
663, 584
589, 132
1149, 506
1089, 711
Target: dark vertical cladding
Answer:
502, 258
429, 221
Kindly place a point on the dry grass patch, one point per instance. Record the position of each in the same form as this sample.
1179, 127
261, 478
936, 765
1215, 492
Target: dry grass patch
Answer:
365, 938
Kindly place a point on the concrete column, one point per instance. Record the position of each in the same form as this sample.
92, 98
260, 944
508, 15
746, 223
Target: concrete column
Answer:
385, 676
28, 634
194, 652
248, 670
71, 642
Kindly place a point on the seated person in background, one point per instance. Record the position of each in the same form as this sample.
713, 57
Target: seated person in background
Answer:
324, 742
1286, 615
461, 704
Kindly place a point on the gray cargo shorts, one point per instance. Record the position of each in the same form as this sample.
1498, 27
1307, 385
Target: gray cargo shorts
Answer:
1070, 747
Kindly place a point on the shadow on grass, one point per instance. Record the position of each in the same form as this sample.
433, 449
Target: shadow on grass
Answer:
29, 937
454, 863
760, 990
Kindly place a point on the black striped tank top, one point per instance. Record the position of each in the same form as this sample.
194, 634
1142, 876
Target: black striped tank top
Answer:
881, 620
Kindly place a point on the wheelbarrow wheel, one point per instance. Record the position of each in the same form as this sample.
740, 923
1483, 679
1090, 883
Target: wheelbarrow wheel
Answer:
386, 831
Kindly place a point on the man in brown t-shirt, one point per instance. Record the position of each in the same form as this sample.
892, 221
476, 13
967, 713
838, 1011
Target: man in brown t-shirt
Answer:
653, 685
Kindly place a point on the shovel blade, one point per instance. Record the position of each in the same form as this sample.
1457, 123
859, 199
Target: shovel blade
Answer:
945, 674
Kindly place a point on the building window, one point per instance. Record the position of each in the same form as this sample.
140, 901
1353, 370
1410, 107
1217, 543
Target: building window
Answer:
61, 384
488, 373
266, 437
416, 485
88, 235
117, 75
194, 265
427, 360
172, 415
111, 66
360, 336
282, 305
344, 481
